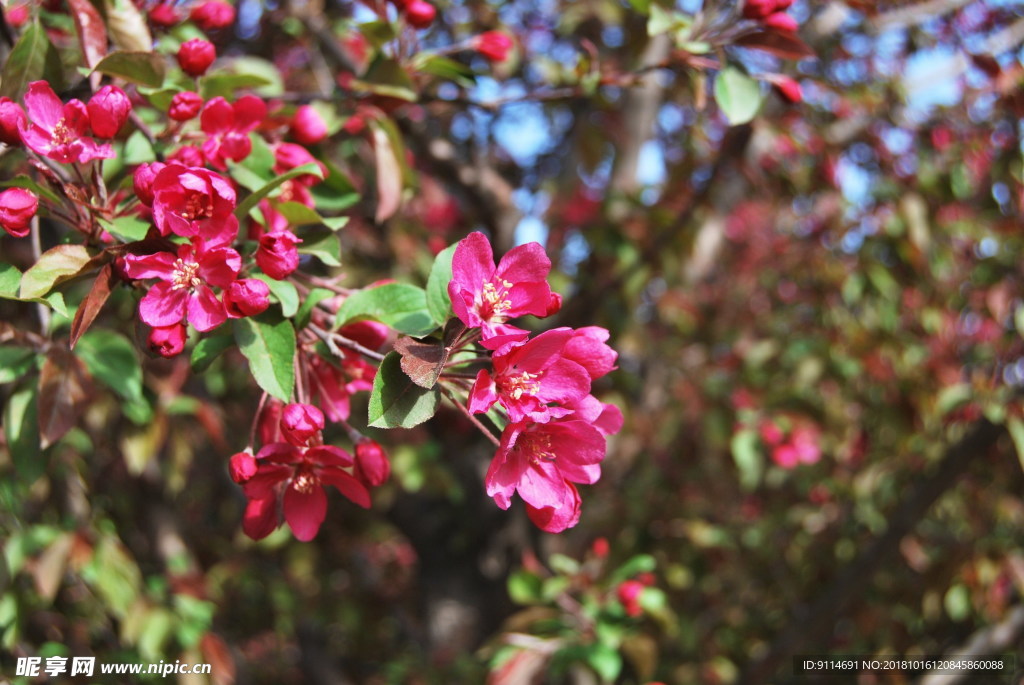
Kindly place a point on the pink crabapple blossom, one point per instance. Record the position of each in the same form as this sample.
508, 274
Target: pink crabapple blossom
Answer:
529, 377
542, 461
57, 130
484, 296
300, 467
227, 128
277, 253
194, 202
184, 287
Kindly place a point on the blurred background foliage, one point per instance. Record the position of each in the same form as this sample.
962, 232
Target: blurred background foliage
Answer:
812, 310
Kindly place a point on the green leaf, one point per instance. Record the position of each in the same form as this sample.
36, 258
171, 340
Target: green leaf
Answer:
138, 150
15, 362
111, 358
397, 402
298, 214
208, 349
737, 94
30, 59
56, 264
322, 244
660, 20
641, 563
401, 306
28, 184
524, 587
10, 281
268, 342
314, 297
605, 661
252, 200
386, 77
336, 193
21, 428
438, 303
560, 563
143, 68
747, 456
1016, 428
446, 68
224, 85
128, 228
285, 293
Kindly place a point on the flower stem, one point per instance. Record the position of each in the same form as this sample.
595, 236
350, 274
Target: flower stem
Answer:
473, 419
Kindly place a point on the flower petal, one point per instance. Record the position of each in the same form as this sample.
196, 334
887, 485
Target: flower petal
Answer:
163, 305
260, 518
347, 485
205, 311
305, 511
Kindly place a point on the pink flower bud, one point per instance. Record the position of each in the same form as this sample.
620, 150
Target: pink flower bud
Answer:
108, 110
554, 305
372, 464
164, 15
629, 594
242, 467
420, 14
185, 105
300, 422
195, 56
142, 181
168, 341
789, 89
17, 15
308, 127
12, 120
600, 548
268, 427
780, 21
277, 254
213, 15
17, 207
246, 297
770, 433
494, 45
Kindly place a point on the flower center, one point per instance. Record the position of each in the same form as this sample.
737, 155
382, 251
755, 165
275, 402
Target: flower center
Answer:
197, 207
305, 481
494, 302
518, 384
185, 275
62, 135
538, 447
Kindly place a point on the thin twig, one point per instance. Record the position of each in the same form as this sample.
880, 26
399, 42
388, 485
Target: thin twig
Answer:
332, 341
475, 421
37, 251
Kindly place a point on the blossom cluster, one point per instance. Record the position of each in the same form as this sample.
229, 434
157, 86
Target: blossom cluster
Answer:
555, 437
288, 475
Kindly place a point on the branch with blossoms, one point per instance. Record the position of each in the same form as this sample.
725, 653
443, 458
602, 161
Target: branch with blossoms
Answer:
219, 209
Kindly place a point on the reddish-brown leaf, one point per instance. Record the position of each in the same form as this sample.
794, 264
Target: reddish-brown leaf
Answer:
422, 362
389, 175
64, 392
92, 33
784, 45
93, 303
216, 653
